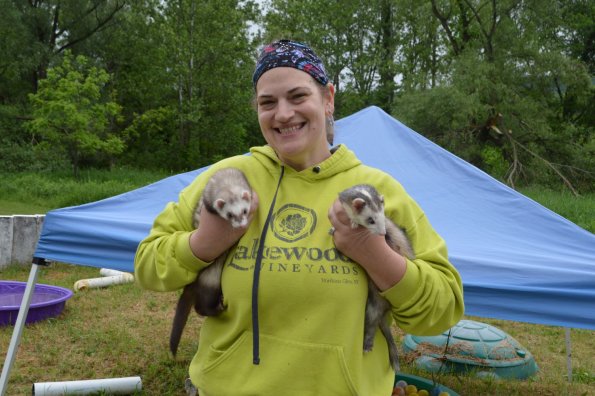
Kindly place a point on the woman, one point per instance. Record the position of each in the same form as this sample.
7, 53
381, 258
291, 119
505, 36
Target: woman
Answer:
295, 295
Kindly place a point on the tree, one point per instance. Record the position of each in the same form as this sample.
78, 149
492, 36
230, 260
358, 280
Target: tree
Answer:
211, 65
72, 111
53, 26
507, 97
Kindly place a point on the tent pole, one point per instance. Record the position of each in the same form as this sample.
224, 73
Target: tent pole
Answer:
19, 324
568, 354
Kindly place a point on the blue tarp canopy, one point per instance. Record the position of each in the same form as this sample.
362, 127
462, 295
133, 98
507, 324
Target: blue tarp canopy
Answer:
518, 260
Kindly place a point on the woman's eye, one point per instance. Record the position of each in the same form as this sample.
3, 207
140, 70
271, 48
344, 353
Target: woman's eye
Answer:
266, 103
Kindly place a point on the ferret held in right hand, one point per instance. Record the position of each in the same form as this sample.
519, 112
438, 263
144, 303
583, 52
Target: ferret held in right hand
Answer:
229, 195
365, 207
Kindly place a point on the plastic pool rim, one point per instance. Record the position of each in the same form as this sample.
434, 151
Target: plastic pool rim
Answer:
38, 310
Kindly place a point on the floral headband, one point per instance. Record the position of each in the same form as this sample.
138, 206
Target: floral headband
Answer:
286, 53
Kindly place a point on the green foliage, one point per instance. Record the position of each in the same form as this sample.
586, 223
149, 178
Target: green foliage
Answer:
149, 136
16, 59
494, 162
508, 91
212, 65
578, 209
51, 190
505, 85
72, 113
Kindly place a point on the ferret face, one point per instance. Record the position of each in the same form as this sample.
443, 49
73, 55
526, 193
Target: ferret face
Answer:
235, 210
365, 207
365, 215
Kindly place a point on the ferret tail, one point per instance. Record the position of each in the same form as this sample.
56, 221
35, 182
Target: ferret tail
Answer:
183, 309
393, 354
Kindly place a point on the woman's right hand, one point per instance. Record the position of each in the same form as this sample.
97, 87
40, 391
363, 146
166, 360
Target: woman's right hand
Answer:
215, 235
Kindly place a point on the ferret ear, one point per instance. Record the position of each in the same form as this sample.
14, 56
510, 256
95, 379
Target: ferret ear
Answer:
382, 199
246, 195
220, 203
358, 205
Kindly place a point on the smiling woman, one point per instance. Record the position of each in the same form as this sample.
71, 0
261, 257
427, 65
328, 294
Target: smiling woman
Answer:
294, 294
292, 114
295, 103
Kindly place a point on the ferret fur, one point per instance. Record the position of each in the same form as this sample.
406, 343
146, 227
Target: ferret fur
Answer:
229, 195
365, 207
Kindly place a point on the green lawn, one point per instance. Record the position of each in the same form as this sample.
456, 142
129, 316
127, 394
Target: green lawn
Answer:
23, 208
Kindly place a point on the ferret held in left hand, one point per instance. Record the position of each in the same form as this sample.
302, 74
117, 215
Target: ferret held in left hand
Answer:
229, 195
365, 207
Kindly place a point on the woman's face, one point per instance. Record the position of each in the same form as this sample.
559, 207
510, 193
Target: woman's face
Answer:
292, 113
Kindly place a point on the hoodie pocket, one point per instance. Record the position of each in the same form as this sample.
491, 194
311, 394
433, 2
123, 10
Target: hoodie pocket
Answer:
286, 367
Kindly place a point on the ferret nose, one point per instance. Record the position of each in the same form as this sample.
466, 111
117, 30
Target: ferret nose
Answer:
236, 223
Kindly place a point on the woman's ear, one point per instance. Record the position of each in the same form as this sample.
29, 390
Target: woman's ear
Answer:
330, 93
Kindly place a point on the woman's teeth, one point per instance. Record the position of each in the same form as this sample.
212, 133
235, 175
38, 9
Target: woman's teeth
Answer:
291, 129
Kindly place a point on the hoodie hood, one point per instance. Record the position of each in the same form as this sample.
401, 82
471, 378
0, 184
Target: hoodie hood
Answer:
341, 160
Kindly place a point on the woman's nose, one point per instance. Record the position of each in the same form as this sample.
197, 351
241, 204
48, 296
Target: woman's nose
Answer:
284, 111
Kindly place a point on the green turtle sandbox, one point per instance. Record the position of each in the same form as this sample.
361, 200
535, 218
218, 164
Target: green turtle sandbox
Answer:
473, 347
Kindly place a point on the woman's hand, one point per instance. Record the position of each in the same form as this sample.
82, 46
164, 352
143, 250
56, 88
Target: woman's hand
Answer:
215, 235
349, 240
385, 266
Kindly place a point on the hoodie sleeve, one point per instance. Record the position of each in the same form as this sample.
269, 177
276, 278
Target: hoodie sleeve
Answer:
429, 298
164, 260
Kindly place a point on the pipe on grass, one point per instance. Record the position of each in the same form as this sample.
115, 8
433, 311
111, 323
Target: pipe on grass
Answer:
103, 281
111, 272
110, 386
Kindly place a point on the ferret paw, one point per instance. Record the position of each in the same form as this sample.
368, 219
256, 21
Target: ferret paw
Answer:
368, 346
190, 388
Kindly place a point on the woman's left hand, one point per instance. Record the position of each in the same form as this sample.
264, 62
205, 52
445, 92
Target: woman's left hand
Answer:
385, 266
351, 241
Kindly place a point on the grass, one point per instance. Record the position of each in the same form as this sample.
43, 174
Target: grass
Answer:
580, 210
102, 333
37, 193
123, 330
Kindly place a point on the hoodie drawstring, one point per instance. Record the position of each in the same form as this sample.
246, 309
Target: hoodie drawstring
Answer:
257, 265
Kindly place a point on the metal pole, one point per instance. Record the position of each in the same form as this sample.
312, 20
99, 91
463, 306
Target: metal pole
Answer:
18, 328
568, 355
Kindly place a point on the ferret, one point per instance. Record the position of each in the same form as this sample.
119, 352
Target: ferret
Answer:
229, 195
365, 207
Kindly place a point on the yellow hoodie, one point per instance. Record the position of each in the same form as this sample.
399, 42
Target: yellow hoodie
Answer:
311, 298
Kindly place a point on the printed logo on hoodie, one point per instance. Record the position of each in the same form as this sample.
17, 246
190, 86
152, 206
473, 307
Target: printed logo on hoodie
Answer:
293, 222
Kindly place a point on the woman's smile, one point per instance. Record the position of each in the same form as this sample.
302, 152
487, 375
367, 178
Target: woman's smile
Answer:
290, 130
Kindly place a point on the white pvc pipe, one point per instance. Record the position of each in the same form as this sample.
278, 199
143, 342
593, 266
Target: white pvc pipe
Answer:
103, 282
110, 272
111, 386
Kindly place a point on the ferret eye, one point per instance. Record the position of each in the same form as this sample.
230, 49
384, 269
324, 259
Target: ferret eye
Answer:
245, 211
371, 221
229, 216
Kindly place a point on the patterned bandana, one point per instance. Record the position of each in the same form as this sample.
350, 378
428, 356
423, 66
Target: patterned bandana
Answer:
286, 53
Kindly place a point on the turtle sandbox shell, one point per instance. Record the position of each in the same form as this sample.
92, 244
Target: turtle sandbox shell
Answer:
472, 347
